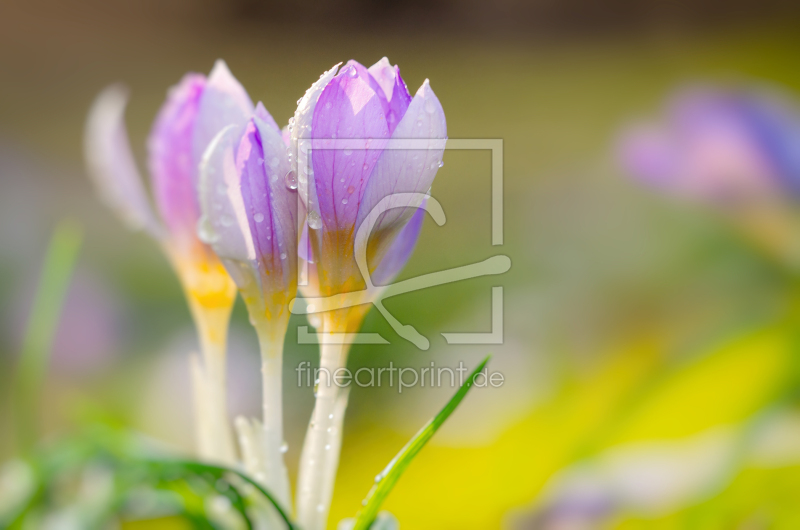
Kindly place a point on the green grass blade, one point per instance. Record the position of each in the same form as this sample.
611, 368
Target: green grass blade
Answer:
57, 270
391, 473
200, 468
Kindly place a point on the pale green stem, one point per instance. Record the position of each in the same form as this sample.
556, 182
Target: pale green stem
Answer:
215, 442
275, 476
320, 456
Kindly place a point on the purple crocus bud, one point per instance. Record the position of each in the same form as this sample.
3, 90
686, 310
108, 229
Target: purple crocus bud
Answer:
250, 216
365, 153
719, 146
344, 136
195, 111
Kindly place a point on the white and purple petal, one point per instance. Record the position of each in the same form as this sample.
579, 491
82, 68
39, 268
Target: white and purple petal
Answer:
224, 102
407, 170
352, 106
400, 250
111, 164
271, 207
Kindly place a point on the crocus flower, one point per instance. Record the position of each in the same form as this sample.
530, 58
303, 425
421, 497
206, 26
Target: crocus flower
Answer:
250, 220
195, 111
719, 146
343, 167
738, 152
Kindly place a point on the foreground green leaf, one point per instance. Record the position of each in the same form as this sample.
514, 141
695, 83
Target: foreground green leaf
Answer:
392, 472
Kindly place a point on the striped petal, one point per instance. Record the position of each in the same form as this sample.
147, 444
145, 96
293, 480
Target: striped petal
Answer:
172, 166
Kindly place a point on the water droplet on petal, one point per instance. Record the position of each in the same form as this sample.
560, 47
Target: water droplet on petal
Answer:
291, 180
330, 416
226, 221
283, 255
344, 201
314, 220
205, 232
327, 447
284, 447
258, 217
348, 152
441, 163
320, 508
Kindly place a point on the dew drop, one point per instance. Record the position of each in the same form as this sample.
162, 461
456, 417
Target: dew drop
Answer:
291, 180
283, 255
226, 221
441, 163
344, 201
330, 416
327, 447
284, 447
320, 508
258, 217
353, 72
348, 152
205, 232
430, 108
314, 220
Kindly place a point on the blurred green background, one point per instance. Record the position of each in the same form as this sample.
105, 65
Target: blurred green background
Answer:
631, 320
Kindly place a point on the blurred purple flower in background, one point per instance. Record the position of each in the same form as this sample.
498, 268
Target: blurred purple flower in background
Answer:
719, 146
